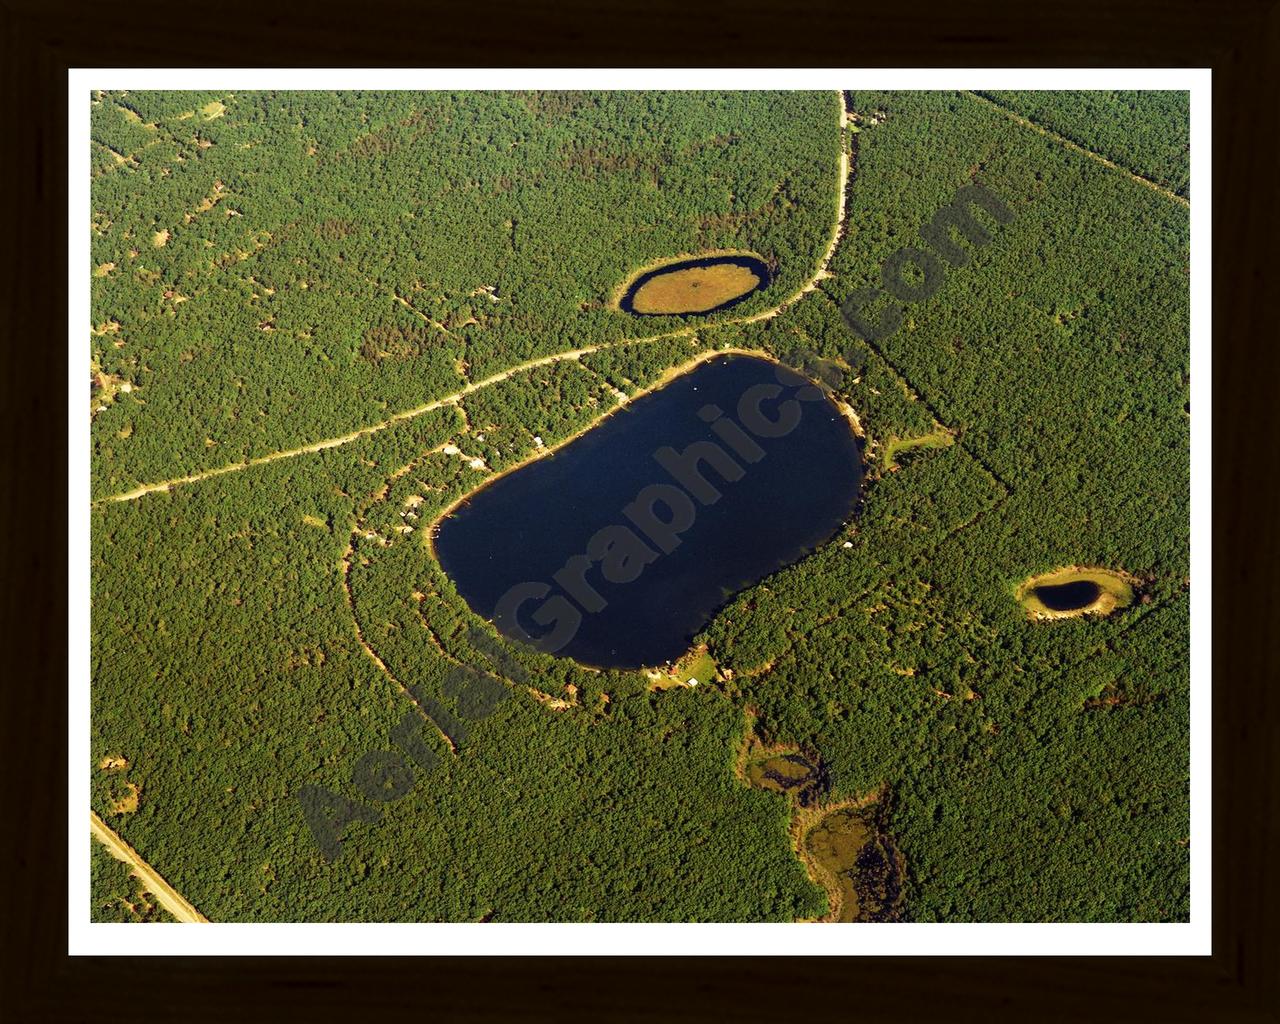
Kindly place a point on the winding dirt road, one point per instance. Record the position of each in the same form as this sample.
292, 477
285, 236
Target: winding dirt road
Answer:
166, 895
1062, 140
820, 272
335, 442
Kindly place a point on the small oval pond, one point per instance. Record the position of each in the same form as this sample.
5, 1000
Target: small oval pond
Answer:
1068, 597
698, 286
616, 549
1064, 593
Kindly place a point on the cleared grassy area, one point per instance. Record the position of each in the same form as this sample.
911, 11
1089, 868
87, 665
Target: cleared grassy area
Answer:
939, 437
697, 665
702, 667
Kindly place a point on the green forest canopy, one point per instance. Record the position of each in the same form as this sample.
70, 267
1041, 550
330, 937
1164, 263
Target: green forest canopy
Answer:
1034, 771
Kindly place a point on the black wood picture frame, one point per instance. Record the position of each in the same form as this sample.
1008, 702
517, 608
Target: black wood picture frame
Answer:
1238, 39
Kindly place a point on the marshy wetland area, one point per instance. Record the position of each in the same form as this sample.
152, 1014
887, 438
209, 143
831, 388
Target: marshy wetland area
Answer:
543, 520
707, 284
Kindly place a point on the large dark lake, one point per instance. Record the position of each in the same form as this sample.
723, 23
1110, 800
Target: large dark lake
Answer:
670, 554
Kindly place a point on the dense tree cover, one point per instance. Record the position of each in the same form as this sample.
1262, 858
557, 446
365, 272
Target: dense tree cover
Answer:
548, 402
628, 367
1143, 131
117, 896
1059, 357
227, 665
1038, 771
272, 268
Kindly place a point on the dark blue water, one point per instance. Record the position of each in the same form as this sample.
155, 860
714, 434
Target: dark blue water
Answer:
637, 594
1067, 597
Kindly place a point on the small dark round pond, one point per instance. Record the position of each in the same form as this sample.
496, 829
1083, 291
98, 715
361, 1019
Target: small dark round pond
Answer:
618, 548
695, 287
1067, 597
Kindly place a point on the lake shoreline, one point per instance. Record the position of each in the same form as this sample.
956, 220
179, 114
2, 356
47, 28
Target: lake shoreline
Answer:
493, 544
667, 376
653, 280
636, 276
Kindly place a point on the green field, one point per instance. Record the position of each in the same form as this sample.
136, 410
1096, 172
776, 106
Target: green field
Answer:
333, 261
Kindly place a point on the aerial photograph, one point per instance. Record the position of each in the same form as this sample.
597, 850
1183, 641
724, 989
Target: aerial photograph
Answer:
639, 506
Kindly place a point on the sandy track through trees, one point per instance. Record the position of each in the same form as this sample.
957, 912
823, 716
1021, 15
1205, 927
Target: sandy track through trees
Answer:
166, 895
820, 272
1076, 147
355, 435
